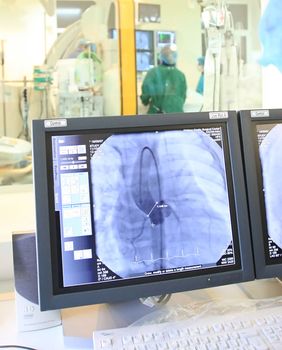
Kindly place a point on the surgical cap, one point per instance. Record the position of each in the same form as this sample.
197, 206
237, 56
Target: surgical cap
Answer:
83, 42
201, 60
168, 55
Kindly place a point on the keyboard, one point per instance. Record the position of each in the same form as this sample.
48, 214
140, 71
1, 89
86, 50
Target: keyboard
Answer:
254, 330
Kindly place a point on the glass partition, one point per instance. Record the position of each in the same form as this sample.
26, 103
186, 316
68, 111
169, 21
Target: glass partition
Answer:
216, 47
56, 61
91, 58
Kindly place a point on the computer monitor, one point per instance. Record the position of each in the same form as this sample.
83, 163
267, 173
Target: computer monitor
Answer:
262, 140
144, 40
137, 206
165, 38
144, 61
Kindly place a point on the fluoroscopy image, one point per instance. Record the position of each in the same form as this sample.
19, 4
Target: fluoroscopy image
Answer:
271, 160
160, 201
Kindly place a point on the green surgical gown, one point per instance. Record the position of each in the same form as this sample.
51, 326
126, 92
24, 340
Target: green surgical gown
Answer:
164, 90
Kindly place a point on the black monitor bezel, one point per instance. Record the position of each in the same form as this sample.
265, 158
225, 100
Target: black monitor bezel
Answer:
252, 168
48, 296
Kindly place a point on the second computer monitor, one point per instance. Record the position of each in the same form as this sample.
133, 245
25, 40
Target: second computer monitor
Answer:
262, 149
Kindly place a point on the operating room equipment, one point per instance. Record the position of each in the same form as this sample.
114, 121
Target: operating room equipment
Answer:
80, 104
221, 60
24, 108
74, 76
75, 94
15, 159
85, 76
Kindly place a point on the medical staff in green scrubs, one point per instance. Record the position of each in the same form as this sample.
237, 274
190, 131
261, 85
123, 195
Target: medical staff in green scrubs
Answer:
164, 87
200, 85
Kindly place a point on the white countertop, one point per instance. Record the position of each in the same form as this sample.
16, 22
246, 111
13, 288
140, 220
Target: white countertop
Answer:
80, 322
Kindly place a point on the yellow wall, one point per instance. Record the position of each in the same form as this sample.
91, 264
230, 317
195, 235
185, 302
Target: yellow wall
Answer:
127, 57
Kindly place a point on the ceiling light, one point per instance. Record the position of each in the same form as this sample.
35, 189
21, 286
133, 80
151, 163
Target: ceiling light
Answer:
68, 11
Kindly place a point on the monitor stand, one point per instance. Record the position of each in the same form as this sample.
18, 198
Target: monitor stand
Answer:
82, 321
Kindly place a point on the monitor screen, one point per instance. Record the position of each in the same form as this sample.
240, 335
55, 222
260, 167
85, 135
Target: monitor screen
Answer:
165, 38
262, 139
144, 40
144, 61
138, 206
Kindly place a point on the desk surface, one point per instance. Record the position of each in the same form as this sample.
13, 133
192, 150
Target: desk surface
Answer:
69, 336
51, 338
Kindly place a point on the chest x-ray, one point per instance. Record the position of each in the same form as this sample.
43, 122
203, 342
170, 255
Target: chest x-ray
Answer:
271, 161
160, 201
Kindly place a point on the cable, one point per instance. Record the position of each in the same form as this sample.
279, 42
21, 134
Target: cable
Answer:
17, 347
41, 105
24, 111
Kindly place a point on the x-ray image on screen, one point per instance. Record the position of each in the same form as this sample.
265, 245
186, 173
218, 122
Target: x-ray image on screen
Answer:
143, 40
144, 61
160, 201
271, 161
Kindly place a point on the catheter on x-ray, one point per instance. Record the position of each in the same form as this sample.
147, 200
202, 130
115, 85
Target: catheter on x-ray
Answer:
271, 161
160, 201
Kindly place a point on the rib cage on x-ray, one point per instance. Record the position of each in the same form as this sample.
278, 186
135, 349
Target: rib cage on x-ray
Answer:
160, 201
271, 160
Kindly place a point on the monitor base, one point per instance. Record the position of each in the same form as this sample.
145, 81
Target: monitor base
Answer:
82, 321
